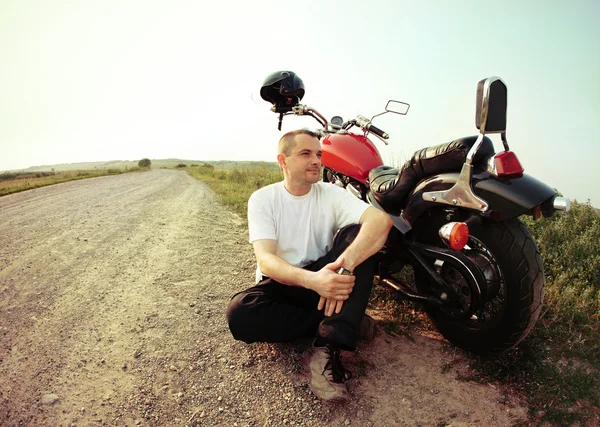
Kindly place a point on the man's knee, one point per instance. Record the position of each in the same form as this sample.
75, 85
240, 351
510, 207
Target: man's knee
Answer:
236, 317
345, 236
369, 264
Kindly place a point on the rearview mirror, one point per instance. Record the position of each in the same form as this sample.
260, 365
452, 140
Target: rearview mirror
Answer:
490, 114
397, 107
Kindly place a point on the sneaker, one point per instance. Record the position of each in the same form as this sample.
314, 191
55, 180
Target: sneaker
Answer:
366, 331
328, 375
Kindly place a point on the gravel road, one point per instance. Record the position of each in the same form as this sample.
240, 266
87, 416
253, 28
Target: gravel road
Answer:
112, 312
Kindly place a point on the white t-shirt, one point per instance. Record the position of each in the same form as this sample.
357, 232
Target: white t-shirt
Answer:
303, 226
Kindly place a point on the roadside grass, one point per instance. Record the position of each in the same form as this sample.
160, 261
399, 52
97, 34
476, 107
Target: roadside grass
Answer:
554, 375
13, 182
556, 369
234, 187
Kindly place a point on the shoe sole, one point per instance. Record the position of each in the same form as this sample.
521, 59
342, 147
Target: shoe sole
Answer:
331, 399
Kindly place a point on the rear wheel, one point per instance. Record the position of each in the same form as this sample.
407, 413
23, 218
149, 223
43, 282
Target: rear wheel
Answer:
509, 259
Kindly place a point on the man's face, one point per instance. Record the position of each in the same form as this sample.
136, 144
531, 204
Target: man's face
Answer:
304, 163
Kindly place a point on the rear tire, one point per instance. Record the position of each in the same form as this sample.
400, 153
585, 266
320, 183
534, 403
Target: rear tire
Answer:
510, 260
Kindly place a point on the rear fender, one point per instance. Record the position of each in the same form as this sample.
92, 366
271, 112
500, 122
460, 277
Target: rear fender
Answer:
507, 198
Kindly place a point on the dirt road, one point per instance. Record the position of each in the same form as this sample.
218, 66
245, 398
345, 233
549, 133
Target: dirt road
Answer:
112, 300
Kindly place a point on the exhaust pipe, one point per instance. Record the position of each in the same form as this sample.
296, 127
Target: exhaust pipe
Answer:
561, 204
409, 293
551, 206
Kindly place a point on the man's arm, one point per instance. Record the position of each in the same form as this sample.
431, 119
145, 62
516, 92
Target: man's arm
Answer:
375, 226
326, 282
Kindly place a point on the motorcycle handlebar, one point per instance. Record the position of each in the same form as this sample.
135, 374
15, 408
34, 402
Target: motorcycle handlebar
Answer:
302, 110
365, 124
378, 132
281, 109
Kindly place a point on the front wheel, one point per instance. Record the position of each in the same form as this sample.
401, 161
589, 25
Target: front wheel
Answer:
511, 263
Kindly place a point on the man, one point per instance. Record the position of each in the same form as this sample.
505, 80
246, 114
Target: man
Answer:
307, 285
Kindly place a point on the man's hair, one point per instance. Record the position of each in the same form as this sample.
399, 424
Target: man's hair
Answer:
287, 141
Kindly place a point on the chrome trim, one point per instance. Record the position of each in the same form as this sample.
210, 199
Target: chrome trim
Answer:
354, 191
504, 140
445, 233
491, 166
474, 149
300, 110
380, 114
385, 135
362, 122
388, 110
486, 103
561, 204
336, 122
399, 287
461, 194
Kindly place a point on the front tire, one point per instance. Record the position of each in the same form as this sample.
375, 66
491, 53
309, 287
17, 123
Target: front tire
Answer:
509, 258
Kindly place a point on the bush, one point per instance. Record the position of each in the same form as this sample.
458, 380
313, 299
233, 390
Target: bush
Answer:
238, 176
205, 169
570, 247
43, 174
7, 176
145, 163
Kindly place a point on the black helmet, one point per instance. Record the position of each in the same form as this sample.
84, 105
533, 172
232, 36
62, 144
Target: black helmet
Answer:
282, 88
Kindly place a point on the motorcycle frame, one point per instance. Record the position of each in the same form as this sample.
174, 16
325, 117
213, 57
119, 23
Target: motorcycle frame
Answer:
414, 253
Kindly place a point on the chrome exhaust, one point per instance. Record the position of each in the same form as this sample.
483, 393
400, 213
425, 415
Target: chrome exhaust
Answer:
561, 204
552, 206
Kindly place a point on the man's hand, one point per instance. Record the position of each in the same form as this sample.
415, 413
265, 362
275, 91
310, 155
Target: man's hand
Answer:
333, 288
330, 305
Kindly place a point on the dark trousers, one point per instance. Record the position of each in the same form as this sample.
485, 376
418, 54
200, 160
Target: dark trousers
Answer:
273, 312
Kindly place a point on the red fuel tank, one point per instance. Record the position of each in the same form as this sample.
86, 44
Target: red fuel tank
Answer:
352, 155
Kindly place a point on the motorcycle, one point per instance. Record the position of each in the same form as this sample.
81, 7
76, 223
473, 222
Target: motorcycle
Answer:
477, 270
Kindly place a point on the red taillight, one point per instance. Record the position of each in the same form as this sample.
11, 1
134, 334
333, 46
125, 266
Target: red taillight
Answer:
507, 165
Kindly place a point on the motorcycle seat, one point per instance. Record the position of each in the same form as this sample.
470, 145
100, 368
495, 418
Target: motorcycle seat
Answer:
390, 185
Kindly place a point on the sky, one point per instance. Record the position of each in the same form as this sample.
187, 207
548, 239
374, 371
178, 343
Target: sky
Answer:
108, 80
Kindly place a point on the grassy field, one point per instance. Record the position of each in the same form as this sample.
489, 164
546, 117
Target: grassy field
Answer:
556, 370
13, 182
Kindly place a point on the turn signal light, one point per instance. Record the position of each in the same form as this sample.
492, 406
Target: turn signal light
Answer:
507, 165
455, 235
